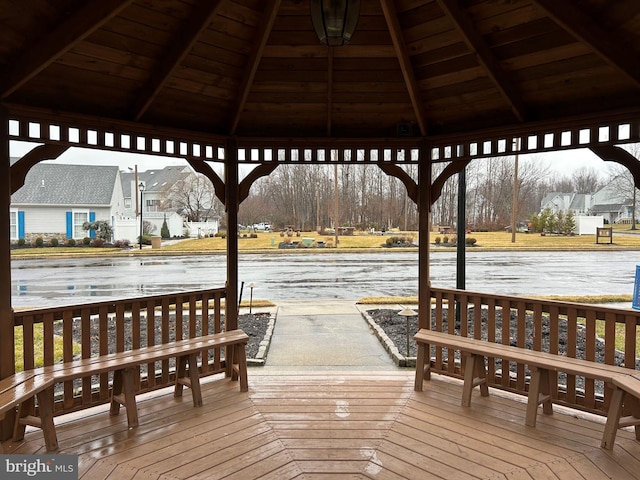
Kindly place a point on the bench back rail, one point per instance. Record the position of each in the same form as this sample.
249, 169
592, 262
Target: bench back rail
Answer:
571, 330
102, 328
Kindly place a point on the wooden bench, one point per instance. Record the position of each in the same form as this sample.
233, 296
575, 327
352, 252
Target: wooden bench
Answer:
23, 387
625, 382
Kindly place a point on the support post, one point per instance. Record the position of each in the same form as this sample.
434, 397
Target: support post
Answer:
424, 214
7, 357
231, 207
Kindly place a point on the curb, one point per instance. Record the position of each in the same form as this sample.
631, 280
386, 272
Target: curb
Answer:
399, 359
263, 350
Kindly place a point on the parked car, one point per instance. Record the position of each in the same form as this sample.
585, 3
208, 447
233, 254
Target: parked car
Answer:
262, 226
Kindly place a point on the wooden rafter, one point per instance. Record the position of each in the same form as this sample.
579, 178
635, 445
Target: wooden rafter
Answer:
483, 54
178, 50
271, 11
86, 20
391, 17
329, 89
585, 29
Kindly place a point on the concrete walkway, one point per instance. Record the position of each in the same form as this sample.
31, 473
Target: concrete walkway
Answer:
324, 335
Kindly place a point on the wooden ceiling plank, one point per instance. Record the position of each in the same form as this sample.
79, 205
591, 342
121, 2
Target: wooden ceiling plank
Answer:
74, 29
271, 12
179, 49
476, 44
585, 29
391, 17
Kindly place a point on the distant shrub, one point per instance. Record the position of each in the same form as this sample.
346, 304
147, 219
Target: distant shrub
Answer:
97, 242
389, 241
121, 243
38, 242
445, 239
438, 240
53, 242
21, 242
71, 242
86, 241
470, 241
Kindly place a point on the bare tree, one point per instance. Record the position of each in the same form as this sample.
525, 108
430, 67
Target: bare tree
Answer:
586, 180
194, 197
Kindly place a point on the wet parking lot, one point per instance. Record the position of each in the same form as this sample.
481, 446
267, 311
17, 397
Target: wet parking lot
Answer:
321, 276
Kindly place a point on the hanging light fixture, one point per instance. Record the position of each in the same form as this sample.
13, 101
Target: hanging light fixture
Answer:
335, 20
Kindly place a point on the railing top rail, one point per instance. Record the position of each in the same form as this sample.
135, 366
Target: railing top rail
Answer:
562, 306
110, 305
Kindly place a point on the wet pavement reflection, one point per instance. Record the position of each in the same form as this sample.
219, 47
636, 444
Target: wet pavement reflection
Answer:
321, 276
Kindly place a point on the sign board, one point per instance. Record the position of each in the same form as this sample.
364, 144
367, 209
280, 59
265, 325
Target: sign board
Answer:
636, 290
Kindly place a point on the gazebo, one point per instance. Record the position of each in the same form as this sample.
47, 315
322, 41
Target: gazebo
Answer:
252, 83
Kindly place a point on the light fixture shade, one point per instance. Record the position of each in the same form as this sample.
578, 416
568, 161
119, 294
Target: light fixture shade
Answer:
335, 20
141, 186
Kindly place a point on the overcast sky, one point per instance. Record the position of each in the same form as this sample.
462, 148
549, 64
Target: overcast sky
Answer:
562, 162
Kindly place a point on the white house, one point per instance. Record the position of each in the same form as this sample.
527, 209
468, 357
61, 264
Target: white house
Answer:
611, 202
57, 199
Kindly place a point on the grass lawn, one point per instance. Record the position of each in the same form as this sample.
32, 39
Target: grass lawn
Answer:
487, 240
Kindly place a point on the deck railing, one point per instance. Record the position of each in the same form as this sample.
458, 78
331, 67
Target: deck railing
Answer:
94, 329
596, 333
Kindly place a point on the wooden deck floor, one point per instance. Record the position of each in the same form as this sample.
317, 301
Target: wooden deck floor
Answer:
337, 425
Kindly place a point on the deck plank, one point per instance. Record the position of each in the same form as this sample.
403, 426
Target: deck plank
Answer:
322, 425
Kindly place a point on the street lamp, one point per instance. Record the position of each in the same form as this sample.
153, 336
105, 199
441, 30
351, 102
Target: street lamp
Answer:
251, 286
407, 313
141, 188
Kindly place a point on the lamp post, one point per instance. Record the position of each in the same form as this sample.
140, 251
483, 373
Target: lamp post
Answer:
141, 189
407, 313
251, 285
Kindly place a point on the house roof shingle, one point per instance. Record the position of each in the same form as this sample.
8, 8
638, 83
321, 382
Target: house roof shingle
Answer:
61, 184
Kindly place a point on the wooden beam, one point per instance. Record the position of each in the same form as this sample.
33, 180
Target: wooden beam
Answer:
605, 44
483, 54
391, 16
179, 48
231, 205
266, 25
424, 222
403, 176
20, 169
7, 356
36, 57
205, 169
258, 172
610, 153
329, 89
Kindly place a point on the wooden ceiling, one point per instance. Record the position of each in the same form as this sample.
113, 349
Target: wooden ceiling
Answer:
255, 68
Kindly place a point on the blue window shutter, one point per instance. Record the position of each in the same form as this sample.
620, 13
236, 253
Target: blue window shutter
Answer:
21, 224
92, 218
69, 225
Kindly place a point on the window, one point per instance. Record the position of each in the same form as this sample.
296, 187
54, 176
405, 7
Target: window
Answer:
79, 218
13, 222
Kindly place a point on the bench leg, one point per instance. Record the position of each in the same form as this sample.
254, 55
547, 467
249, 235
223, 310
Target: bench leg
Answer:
189, 378
123, 393
240, 368
45, 406
539, 393
475, 374
613, 419
423, 366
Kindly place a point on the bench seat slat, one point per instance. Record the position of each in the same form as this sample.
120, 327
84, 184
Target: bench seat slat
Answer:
21, 388
624, 381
